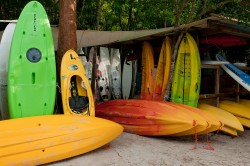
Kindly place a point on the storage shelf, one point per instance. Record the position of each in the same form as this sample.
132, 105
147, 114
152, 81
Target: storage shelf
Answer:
217, 93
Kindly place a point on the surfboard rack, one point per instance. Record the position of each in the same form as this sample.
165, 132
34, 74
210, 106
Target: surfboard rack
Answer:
217, 94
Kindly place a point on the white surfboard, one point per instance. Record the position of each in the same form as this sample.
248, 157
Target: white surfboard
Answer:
88, 69
104, 55
103, 82
240, 64
83, 60
91, 56
105, 58
238, 75
211, 62
4, 60
134, 73
115, 72
126, 79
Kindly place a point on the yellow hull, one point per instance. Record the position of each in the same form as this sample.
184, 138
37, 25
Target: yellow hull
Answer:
229, 130
235, 108
225, 117
163, 69
44, 139
245, 122
72, 67
245, 102
212, 122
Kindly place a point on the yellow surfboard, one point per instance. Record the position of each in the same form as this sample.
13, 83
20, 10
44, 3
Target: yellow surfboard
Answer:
225, 117
244, 121
229, 130
147, 87
77, 97
213, 120
235, 108
163, 69
44, 139
245, 102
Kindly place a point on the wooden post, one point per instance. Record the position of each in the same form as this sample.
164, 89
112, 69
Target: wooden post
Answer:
237, 92
217, 85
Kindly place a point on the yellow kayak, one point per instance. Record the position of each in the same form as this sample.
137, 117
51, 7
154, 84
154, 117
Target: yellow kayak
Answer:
225, 117
235, 108
212, 122
77, 97
245, 102
229, 130
44, 139
163, 70
245, 122
147, 87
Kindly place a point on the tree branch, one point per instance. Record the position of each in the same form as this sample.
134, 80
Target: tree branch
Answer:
206, 10
189, 19
179, 9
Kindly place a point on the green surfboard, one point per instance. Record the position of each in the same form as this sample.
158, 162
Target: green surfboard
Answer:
187, 74
32, 68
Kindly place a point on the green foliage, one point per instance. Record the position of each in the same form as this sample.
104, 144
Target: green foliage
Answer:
136, 14
239, 10
11, 9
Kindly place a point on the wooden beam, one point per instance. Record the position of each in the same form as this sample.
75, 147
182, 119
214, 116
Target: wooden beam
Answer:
232, 29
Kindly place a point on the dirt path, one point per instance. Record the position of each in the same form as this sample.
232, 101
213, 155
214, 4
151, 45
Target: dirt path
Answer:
133, 150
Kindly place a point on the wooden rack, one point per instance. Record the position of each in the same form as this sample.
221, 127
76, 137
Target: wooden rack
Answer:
217, 93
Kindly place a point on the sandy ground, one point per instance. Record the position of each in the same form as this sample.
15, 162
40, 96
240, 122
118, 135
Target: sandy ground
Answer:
133, 150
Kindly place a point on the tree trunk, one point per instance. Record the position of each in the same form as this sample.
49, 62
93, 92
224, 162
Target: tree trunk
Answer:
67, 30
66, 38
176, 44
98, 13
130, 15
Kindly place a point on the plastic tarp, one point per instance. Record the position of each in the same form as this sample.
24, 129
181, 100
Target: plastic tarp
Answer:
223, 40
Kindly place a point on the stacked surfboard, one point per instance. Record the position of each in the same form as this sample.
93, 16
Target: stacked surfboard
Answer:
154, 83
110, 76
114, 80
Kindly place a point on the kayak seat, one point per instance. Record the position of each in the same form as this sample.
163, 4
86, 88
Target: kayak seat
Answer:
78, 103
